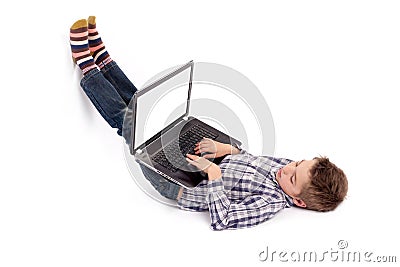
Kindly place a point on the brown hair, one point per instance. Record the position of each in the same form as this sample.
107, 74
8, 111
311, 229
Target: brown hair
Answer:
327, 187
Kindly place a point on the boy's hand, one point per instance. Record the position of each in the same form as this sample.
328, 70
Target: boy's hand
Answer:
203, 164
216, 149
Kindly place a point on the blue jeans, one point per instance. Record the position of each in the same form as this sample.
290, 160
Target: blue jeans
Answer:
110, 91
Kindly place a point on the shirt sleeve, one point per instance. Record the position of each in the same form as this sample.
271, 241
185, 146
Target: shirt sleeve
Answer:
227, 214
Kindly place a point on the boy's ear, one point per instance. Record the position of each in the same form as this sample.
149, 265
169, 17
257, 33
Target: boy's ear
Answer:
299, 202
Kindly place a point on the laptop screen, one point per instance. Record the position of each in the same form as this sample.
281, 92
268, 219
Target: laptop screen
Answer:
161, 101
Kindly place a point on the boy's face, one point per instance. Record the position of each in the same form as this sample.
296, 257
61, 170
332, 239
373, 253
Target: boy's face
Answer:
293, 177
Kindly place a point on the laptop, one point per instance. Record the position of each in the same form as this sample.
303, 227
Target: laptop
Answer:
163, 151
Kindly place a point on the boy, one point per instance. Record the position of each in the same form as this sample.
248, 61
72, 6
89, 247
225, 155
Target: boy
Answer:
243, 190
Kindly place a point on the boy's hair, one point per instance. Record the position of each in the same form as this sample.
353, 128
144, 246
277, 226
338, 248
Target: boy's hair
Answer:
327, 187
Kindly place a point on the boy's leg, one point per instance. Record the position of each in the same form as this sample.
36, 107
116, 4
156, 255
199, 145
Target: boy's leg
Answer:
118, 79
99, 90
80, 46
162, 185
105, 98
108, 67
108, 100
112, 108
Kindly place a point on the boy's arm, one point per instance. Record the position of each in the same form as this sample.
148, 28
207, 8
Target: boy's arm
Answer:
230, 150
215, 148
226, 214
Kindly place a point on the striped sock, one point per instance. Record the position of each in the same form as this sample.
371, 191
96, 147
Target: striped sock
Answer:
80, 46
96, 46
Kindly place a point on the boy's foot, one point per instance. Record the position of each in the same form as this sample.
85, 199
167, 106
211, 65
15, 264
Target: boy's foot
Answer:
80, 46
96, 46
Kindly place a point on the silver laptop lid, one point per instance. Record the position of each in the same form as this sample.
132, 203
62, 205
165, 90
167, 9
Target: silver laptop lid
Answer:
160, 105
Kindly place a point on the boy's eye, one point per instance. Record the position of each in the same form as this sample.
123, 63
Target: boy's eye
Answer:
291, 178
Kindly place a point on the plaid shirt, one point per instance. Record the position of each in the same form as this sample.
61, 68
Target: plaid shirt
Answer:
246, 195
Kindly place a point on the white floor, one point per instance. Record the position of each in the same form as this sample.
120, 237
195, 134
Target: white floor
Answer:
329, 72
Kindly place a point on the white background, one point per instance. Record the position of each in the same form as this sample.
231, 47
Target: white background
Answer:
329, 71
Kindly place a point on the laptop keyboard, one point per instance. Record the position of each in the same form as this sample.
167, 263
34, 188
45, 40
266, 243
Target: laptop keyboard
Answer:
181, 146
